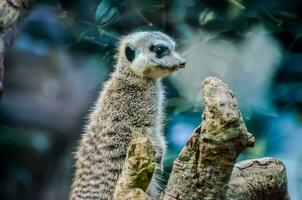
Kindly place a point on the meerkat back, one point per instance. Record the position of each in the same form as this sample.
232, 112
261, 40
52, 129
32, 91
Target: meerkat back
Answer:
130, 105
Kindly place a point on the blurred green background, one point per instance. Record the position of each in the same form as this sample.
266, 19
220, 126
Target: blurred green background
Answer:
64, 53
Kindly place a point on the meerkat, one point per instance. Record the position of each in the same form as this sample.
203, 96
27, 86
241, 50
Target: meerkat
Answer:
130, 105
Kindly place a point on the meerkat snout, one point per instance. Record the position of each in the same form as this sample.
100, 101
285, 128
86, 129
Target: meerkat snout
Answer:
182, 64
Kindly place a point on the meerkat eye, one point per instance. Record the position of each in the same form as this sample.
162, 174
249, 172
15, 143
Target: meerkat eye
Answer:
130, 54
160, 50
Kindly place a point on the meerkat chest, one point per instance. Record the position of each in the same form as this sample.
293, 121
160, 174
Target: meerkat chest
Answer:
157, 113
156, 131
148, 109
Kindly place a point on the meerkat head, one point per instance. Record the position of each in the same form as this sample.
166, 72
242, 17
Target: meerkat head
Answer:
149, 54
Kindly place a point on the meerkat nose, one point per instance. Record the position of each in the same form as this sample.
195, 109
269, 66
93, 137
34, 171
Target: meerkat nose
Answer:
182, 64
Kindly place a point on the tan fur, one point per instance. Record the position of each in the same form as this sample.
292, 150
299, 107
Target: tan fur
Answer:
130, 105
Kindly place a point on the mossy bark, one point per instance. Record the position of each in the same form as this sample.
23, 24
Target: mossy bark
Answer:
205, 168
137, 171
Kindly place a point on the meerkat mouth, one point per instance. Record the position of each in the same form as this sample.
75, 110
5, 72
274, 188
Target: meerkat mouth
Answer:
169, 68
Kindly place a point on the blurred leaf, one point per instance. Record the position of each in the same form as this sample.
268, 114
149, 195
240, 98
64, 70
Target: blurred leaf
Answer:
206, 16
235, 10
237, 4
101, 10
110, 16
287, 16
105, 13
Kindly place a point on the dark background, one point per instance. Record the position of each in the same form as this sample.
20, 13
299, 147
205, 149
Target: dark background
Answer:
65, 51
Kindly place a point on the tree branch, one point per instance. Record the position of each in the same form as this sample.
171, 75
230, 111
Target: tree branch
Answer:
204, 166
258, 179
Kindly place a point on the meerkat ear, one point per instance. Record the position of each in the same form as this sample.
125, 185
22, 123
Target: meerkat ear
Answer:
130, 54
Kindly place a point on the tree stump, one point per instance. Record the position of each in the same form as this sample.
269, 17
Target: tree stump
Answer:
205, 168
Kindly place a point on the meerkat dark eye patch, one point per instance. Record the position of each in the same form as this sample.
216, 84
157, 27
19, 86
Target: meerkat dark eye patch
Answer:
160, 50
130, 54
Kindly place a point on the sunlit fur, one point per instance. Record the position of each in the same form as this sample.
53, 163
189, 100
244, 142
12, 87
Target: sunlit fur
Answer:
130, 105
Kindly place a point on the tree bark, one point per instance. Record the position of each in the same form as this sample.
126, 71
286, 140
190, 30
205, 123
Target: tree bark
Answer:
137, 171
259, 179
205, 167
11, 14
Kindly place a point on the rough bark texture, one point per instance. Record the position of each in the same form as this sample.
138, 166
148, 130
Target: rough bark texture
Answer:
137, 171
259, 179
206, 162
11, 14
205, 167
